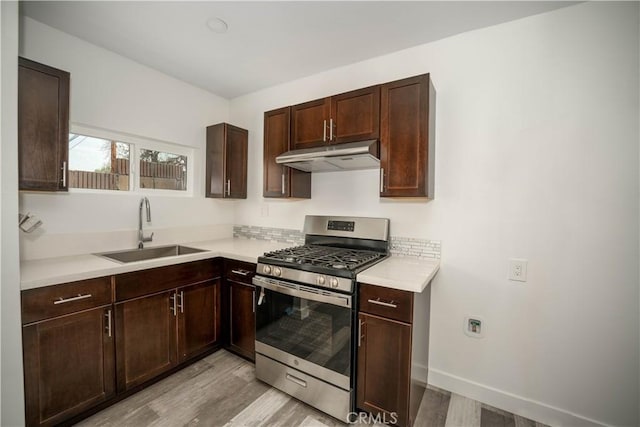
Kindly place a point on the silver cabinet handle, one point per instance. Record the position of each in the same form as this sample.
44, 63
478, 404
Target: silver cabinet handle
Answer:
385, 304
181, 305
381, 180
64, 173
301, 383
241, 272
173, 307
360, 323
228, 187
282, 183
253, 297
108, 316
66, 300
331, 130
324, 131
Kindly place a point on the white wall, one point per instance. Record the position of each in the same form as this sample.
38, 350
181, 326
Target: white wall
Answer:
536, 157
112, 92
11, 390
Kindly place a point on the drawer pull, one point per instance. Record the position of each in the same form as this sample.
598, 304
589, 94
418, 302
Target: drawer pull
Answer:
241, 272
66, 300
385, 304
296, 380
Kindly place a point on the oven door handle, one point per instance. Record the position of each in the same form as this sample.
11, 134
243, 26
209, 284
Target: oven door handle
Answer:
334, 299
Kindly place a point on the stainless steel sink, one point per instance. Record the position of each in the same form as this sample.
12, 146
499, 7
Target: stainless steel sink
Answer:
132, 255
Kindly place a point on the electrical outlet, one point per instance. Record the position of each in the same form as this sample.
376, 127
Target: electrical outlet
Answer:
518, 269
264, 211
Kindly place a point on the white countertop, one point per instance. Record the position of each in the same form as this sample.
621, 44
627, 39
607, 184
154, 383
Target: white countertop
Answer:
51, 271
406, 274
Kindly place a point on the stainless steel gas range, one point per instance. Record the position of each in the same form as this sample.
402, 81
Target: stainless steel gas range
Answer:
306, 314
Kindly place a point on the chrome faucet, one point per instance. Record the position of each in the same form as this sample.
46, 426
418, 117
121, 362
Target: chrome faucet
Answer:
141, 237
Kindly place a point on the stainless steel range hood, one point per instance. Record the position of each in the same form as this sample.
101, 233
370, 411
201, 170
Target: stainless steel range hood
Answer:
349, 156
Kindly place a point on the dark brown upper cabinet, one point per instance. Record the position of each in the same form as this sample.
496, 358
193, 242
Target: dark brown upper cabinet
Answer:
226, 170
281, 181
407, 138
348, 117
43, 127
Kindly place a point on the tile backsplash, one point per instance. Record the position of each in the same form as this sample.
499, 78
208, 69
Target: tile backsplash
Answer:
284, 235
400, 246
416, 248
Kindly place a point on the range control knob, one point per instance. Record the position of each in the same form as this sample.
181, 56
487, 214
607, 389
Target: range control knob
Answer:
267, 269
333, 282
320, 280
277, 271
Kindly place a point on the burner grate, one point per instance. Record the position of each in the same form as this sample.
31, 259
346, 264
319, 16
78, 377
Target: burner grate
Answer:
323, 256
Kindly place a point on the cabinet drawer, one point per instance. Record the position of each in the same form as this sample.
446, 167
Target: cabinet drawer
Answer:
239, 271
386, 302
145, 282
57, 300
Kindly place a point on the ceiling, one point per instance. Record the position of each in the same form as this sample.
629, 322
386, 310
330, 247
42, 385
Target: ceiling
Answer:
267, 43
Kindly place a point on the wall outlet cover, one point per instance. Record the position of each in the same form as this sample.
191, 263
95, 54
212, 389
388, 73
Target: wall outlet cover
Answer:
518, 269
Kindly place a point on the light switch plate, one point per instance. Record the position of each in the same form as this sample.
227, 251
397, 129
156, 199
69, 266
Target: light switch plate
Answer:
518, 269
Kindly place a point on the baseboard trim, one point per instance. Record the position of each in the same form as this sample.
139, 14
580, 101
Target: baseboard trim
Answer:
518, 405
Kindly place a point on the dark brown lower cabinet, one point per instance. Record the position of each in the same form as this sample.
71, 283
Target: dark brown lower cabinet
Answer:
198, 318
146, 338
384, 367
391, 322
157, 332
94, 341
68, 365
242, 309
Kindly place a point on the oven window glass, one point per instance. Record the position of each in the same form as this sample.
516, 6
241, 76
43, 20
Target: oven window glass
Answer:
318, 332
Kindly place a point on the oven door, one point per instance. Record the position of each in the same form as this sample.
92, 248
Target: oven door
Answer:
305, 328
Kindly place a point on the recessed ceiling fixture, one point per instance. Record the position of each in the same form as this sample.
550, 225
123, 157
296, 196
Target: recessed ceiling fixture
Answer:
217, 25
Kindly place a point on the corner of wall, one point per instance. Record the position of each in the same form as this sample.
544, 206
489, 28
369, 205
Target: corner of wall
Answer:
12, 392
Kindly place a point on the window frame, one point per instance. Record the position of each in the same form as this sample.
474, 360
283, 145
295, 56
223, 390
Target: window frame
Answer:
136, 143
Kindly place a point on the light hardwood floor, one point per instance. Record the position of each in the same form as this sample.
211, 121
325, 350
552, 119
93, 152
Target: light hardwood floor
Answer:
221, 390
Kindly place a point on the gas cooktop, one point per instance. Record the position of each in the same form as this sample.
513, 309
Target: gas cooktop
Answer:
323, 256
336, 249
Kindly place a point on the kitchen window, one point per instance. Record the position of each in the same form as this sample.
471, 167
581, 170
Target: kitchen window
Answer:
162, 170
98, 164
102, 160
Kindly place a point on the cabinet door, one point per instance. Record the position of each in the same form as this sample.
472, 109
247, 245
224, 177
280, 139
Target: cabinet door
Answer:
355, 115
281, 181
236, 162
309, 124
407, 138
146, 338
226, 162
384, 367
68, 365
198, 318
242, 312
43, 127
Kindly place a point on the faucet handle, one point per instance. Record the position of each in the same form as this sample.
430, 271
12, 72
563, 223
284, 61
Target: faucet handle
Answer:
147, 239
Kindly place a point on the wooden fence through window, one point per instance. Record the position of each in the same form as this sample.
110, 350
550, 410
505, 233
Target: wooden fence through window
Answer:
152, 175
